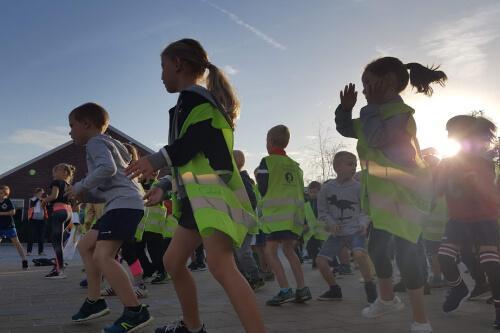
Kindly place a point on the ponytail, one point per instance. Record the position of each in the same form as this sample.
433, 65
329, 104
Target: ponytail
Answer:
419, 77
221, 90
195, 57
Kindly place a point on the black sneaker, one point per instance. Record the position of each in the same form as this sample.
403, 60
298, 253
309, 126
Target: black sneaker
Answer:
371, 291
84, 283
345, 269
161, 278
177, 327
55, 274
302, 295
455, 297
25, 264
399, 287
256, 284
90, 311
193, 266
480, 292
201, 267
130, 321
332, 294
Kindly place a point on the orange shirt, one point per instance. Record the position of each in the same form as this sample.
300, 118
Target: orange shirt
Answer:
468, 183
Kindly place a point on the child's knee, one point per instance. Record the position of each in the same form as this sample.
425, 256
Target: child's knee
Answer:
218, 268
321, 261
359, 255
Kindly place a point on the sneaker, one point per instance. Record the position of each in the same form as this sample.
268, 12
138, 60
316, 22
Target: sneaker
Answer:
332, 294
281, 298
91, 310
177, 327
130, 321
193, 266
54, 274
268, 276
380, 308
84, 283
345, 269
108, 292
41, 254
302, 295
420, 327
256, 284
201, 267
25, 264
161, 278
456, 296
141, 291
399, 287
371, 292
480, 292
437, 282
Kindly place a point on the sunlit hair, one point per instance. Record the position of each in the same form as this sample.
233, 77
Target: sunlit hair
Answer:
195, 57
419, 76
239, 158
132, 150
93, 113
279, 136
68, 169
471, 127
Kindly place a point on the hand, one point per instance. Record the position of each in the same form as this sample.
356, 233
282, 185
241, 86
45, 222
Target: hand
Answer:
141, 168
335, 229
348, 97
153, 196
375, 92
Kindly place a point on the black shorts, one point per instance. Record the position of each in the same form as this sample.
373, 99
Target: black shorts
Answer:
278, 236
118, 224
482, 233
432, 247
187, 217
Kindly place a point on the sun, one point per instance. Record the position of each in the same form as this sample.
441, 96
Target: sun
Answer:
447, 148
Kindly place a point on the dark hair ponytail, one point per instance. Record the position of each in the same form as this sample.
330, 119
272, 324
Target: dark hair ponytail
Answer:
419, 77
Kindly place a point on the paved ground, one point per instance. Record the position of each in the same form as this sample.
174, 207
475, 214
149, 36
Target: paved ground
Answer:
29, 303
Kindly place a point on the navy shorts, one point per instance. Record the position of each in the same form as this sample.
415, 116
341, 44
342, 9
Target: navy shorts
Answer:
118, 224
333, 245
260, 239
481, 233
8, 233
281, 236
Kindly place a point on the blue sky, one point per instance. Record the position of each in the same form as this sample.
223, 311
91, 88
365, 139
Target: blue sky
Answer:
287, 59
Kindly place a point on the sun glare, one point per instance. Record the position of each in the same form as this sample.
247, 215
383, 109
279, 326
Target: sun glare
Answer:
447, 148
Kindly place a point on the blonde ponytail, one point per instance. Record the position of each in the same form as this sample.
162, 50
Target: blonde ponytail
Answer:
222, 91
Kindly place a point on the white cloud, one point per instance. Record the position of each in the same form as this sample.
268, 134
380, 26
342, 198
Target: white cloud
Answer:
47, 139
230, 70
236, 19
311, 137
461, 44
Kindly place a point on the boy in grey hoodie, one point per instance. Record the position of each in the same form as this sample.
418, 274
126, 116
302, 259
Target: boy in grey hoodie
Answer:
340, 210
106, 182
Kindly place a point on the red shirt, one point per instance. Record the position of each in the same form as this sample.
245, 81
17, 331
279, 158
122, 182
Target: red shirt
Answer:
468, 183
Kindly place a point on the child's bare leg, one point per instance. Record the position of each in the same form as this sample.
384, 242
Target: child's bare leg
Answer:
324, 268
19, 247
416, 297
271, 251
386, 289
221, 263
182, 246
293, 259
104, 255
86, 248
362, 259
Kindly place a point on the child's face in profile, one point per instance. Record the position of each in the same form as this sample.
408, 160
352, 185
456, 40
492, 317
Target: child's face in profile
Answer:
170, 73
59, 173
39, 194
79, 131
345, 167
3, 194
313, 192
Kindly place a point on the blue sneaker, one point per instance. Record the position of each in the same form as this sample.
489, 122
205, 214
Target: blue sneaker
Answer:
91, 310
130, 321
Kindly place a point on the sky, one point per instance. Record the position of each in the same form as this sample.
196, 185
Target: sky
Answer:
287, 60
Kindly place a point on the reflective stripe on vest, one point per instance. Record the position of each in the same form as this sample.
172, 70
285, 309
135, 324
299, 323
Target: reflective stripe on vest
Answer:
218, 198
396, 198
317, 228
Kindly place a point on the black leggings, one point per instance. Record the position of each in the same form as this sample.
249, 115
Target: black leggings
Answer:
156, 245
37, 229
409, 258
57, 221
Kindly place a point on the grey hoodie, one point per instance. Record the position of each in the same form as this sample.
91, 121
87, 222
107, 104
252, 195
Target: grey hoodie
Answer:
106, 182
339, 204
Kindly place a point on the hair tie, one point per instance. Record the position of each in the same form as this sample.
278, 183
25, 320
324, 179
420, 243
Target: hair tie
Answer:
209, 65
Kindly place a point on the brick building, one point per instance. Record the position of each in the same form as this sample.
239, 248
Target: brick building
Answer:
37, 172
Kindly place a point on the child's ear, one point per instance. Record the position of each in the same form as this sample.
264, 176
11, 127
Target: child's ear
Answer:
87, 124
178, 64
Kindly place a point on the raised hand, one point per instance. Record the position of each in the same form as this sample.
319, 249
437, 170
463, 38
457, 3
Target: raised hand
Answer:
375, 92
348, 97
140, 168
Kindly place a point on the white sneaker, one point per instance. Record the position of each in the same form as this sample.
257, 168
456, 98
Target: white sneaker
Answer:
380, 308
421, 327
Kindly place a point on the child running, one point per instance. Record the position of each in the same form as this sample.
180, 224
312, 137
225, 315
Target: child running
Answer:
468, 183
212, 203
395, 180
7, 227
281, 185
339, 208
106, 181
61, 213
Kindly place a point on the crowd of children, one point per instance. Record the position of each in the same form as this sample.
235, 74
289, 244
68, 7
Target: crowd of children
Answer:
407, 205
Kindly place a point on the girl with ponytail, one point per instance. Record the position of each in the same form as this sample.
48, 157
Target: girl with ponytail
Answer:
211, 203
395, 181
